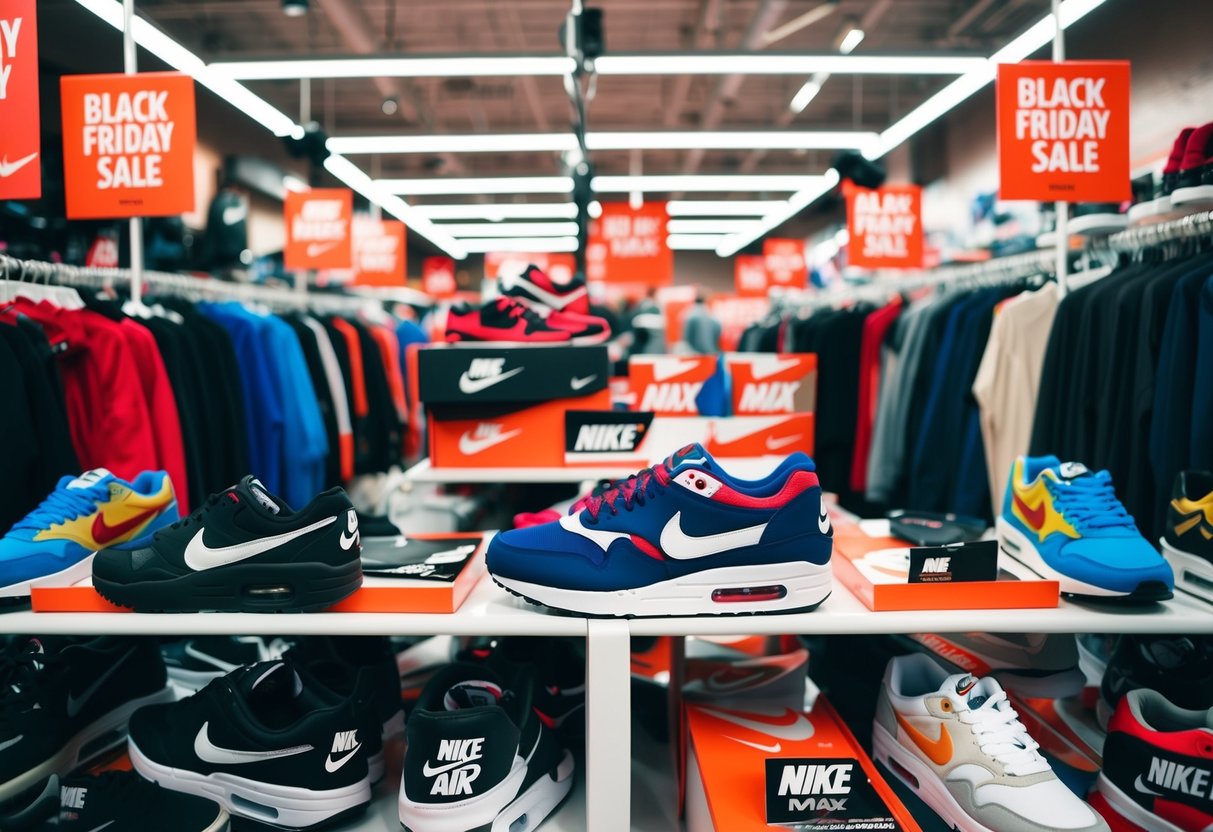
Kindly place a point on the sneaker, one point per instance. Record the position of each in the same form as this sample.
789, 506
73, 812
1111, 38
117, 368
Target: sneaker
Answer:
1187, 543
263, 743
958, 744
54, 544
122, 801
1156, 764
582, 329
1197, 153
1036, 665
479, 756
64, 702
502, 321
195, 662
244, 550
1170, 173
535, 288
684, 539
1179, 667
1065, 523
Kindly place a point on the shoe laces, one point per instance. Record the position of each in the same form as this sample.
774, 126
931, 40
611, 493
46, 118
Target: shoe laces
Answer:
629, 492
1001, 735
61, 505
1091, 502
195, 516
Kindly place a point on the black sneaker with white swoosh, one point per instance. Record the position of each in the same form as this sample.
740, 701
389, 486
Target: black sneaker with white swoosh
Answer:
264, 742
244, 550
122, 801
64, 702
479, 758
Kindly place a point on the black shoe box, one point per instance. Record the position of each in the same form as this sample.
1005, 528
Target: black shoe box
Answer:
493, 375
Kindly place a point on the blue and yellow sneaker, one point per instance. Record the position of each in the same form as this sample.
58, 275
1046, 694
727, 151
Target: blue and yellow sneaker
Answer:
54, 544
1065, 523
680, 538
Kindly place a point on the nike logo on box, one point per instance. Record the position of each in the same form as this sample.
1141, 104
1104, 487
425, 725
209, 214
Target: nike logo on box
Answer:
316, 249
470, 385
579, 383
208, 752
199, 556
668, 368
679, 545
470, 444
8, 168
760, 369
798, 730
774, 444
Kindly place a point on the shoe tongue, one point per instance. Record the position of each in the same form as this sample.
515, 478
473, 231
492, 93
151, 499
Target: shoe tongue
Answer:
472, 693
537, 275
252, 488
694, 454
1073, 471
968, 689
90, 478
268, 682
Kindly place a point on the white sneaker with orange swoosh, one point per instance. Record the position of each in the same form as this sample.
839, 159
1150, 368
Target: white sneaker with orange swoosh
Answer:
957, 742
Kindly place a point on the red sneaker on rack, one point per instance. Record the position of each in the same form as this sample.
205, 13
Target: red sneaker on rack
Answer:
534, 288
501, 320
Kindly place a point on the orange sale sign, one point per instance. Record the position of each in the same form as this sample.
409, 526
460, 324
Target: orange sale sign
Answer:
785, 262
128, 145
885, 225
438, 277
318, 229
750, 275
379, 252
1063, 131
628, 245
21, 138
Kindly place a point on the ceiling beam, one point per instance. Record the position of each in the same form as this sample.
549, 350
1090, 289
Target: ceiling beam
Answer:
706, 34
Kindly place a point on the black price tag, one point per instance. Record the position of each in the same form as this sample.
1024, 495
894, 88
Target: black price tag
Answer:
976, 561
830, 793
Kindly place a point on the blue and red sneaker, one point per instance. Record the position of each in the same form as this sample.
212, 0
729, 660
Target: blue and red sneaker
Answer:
680, 538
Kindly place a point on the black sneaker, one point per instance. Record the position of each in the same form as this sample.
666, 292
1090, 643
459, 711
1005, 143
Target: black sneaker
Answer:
1188, 541
244, 550
264, 743
1179, 667
64, 702
479, 757
194, 662
122, 801
364, 667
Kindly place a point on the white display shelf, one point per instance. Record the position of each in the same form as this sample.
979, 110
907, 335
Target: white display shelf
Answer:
423, 471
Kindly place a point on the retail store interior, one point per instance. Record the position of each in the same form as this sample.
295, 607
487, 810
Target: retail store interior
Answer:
604, 415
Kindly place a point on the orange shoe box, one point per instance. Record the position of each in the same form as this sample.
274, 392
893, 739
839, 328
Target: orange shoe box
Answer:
766, 383
727, 780
377, 594
668, 384
852, 546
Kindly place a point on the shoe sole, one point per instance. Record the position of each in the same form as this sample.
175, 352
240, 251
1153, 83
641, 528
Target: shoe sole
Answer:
797, 587
1127, 808
242, 587
68, 576
1016, 546
103, 735
287, 806
1193, 574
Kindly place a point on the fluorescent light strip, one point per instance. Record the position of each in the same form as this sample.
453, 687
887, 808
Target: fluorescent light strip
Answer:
560, 142
700, 183
693, 242
523, 244
678, 226
490, 185
795, 204
453, 66
851, 40
968, 84
511, 229
722, 207
805, 95
785, 64
497, 213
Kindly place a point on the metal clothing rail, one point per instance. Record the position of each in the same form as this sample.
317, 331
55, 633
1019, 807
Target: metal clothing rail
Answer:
1190, 227
181, 285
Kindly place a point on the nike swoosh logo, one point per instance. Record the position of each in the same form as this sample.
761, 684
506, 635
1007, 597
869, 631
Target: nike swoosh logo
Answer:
208, 752
579, 383
8, 168
200, 557
469, 445
235, 214
1143, 788
76, 703
1035, 517
104, 533
475, 385
434, 772
12, 742
761, 369
679, 545
823, 523
331, 765
713, 684
774, 444
316, 249
664, 370
938, 751
798, 730
773, 748
348, 540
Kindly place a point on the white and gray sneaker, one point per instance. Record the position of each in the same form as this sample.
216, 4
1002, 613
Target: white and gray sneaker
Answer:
957, 742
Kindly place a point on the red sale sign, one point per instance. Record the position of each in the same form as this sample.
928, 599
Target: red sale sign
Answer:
628, 245
379, 252
319, 232
750, 275
438, 277
128, 145
885, 225
20, 139
785, 262
1063, 131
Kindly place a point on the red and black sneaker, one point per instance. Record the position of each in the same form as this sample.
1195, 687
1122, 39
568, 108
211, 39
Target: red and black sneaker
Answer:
583, 329
535, 288
1157, 762
501, 320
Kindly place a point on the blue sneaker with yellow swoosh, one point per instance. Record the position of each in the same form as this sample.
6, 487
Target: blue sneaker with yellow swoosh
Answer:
1065, 523
54, 544
680, 538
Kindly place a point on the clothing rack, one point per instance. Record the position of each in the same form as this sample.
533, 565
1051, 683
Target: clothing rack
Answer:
1190, 227
181, 285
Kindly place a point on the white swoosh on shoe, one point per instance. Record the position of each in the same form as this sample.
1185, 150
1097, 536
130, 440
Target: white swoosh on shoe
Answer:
434, 772
199, 556
208, 752
331, 765
681, 546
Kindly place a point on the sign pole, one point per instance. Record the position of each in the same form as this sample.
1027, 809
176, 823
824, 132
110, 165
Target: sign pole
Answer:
1061, 207
130, 67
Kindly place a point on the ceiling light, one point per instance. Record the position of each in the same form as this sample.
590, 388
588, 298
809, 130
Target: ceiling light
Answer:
852, 37
796, 24
795, 204
808, 92
456, 66
594, 209
479, 143
692, 242
680, 226
731, 183
294, 8
721, 207
490, 185
511, 229
499, 212
535, 245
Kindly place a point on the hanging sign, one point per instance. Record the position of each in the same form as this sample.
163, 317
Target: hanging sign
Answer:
785, 263
750, 275
628, 245
128, 145
1063, 131
438, 277
318, 229
379, 252
20, 140
885, 225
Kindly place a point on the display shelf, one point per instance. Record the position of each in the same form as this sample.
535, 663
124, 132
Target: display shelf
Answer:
424, 472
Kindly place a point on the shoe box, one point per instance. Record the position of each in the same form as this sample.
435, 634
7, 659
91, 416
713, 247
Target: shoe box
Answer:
764, 383
424, 573
875, 567
737, 384
772, 765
